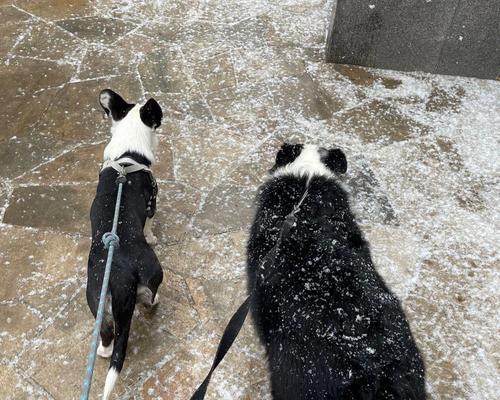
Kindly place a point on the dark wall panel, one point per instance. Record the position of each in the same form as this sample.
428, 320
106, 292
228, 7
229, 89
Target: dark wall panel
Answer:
459, 37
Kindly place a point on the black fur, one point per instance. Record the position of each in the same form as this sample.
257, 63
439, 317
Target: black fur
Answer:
117, 107
135, 265
151, 114
287, 154
331, 327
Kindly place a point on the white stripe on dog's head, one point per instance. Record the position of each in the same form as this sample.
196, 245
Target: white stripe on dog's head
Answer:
308, 160
133, 128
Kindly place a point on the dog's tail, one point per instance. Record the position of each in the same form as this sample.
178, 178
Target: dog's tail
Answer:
123, 301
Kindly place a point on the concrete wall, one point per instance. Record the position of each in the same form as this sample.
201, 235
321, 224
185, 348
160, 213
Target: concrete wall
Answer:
457, 37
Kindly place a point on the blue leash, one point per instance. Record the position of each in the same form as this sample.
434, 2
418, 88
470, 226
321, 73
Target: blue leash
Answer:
110, 240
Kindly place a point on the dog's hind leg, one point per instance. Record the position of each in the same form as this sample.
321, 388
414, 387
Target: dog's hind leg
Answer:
105, 348
123, 310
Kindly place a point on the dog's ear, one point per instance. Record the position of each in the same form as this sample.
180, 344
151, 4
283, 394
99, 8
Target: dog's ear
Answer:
286, 155
114, 105
151, 114
336, 161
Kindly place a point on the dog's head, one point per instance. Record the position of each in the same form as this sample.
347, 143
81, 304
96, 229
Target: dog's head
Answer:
308, 160
133, 125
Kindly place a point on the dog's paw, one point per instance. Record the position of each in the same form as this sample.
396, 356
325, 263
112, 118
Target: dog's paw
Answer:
105, 352
152, 240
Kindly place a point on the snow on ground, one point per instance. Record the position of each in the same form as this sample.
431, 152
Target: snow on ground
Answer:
235, 80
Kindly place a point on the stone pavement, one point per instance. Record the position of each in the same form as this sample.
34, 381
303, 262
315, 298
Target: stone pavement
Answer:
235, 79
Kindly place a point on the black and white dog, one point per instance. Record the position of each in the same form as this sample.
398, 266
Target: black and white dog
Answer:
136, 272
331, 327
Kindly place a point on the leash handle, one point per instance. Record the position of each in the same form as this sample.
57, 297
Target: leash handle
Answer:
230, 333
111, 241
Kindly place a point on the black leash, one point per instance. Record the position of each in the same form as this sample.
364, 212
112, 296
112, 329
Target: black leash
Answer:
236, 322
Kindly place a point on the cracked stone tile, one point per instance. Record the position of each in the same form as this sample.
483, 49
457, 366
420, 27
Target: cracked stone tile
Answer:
13, 386
59, 208
250, 32
28, 81
348, 92
137, 43
378, 121
57, 9
419, 168
242, 105
368, 200
182, 108
13, 23
10, 34
201, 40
212, 149
464, 284
215, 301
215, 73
444, 100
180, 375
75, 112
62, 47
5, 190
167, 30
302, 96
253, 169
97, 29
55, 352
163, 168
140, 11
81, 164
175, 206
393, 253
165, 70
10, 15
264, 63
227, 208
173, 318
300, 28
364, 76
208, 257
53, 263
101, 61
19, 323
19, 155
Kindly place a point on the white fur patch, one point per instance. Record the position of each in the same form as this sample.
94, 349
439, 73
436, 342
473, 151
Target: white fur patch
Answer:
148, 232
131, 134
308, 163
104, 99
156, 299
110, 383
103, 351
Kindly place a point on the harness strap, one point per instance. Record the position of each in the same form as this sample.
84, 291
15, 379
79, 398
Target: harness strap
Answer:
236, 322
124, 170
134, 166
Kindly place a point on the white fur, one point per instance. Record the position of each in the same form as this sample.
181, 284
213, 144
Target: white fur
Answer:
104, 99
103, 351
308, 163
148, 232
131, 134
110, 383
156, 299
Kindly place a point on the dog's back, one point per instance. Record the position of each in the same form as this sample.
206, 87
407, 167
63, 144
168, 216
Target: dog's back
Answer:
331, 327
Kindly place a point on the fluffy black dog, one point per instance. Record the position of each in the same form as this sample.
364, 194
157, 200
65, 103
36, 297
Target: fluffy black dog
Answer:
136, 272
331, 327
